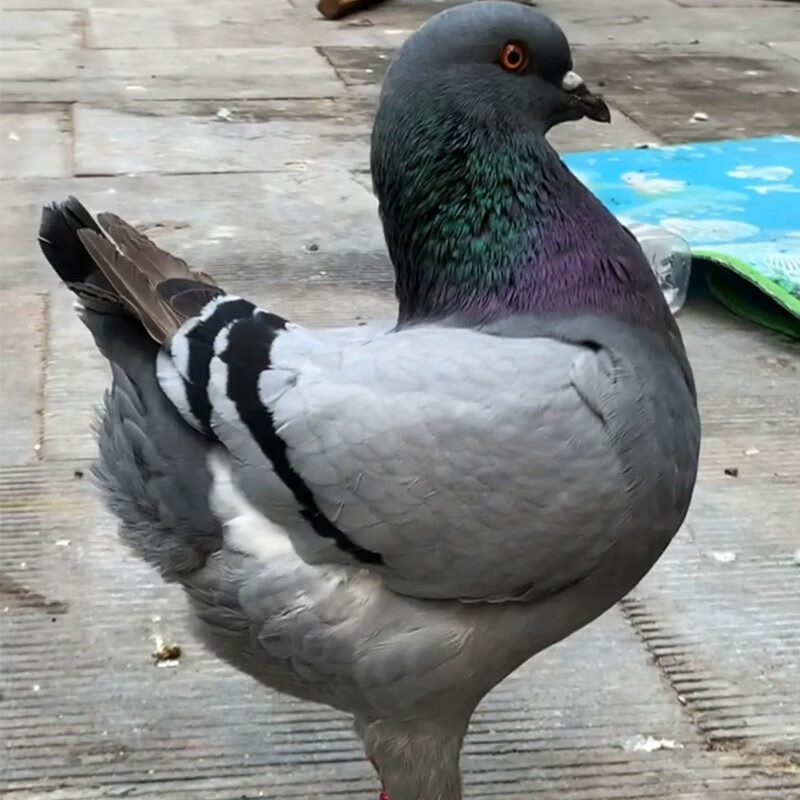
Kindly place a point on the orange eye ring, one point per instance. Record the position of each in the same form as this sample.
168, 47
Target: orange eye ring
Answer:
513, 57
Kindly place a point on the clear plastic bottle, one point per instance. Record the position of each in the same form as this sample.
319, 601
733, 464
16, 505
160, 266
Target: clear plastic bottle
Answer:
670, 258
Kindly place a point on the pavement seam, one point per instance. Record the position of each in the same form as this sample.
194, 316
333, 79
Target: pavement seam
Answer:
322, 51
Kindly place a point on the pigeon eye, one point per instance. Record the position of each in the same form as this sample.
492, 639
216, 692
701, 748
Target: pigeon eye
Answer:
513, 57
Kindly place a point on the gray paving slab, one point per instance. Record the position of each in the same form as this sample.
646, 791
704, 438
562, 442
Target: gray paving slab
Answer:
23, 342
253, 230
788, 48
744, 90
53, 29
35, 145
109, 143
97, 75
245, 26
662, 22
704, 655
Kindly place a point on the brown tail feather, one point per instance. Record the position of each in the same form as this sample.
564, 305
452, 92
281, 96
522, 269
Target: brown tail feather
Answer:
113, 268
182, 290
144, 252
158, 288
132, 285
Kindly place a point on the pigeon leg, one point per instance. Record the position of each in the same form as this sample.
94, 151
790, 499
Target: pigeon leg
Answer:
383, 795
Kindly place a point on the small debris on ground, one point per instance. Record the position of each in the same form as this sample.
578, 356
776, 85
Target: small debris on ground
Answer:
796, 558
63, 542
166, 653
78, 473
732, 472
752, 451
647, 145
225, 113
699, 116
723, 556
14, 137
649, 744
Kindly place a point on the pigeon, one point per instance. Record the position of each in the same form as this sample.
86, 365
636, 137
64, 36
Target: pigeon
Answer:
391, 518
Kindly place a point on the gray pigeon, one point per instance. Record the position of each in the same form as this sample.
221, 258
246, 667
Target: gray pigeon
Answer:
391, 518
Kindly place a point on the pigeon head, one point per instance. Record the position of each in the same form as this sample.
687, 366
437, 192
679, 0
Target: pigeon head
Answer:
503, 59
481, 217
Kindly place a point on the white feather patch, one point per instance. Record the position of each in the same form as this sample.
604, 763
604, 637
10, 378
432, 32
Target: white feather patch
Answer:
174, 387
246, 530
250, 532
179, 347
224, 412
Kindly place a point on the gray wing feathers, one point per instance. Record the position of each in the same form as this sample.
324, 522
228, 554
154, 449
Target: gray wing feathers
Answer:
325, 635
455, 463
468, 462
150, 465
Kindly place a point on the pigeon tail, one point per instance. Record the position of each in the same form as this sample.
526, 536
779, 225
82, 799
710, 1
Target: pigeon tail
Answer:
149, 467
113, 268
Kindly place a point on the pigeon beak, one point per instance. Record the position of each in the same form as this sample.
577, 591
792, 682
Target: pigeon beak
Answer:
590, 105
